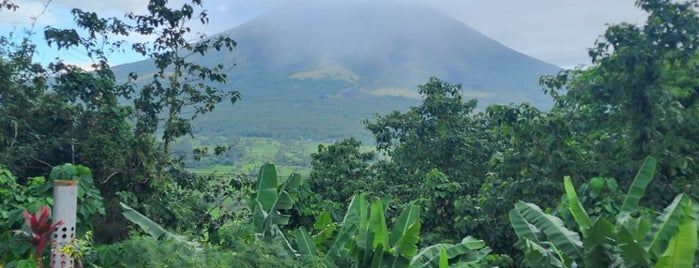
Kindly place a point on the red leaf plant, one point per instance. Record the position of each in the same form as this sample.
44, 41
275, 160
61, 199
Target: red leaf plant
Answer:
41, 229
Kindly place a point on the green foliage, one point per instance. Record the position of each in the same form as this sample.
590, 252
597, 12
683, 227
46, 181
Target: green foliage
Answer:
269, 198
340, 171
153, 229
439, 198
239, 239
442, 133
17, 197
466, 167
75, 119
112, 127
178, 87
89, 198
364, 240
38, 192
88, 117
235, 244
601, 196
150, 252
35, 122
440, 154
624, 240
470, 252
681, 248
575, 207
639, 185
639, 98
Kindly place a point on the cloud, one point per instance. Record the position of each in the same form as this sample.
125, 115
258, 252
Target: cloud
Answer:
113, 7
556, 31
25, 14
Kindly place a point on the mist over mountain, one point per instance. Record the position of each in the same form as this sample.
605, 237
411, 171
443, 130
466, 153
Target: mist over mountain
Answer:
314, 69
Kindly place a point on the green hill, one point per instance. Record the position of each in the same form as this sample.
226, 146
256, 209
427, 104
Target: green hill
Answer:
314, 70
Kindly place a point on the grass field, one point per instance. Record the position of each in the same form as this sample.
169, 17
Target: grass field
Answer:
249, 153
251, 170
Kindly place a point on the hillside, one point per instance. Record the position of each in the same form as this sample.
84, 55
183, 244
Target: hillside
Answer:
314, 70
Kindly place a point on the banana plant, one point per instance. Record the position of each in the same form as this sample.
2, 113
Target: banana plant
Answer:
149, 226
154, 229
627, 240
363, 240
470, 252
268, 199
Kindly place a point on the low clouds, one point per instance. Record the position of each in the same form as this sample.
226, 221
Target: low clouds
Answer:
556, 31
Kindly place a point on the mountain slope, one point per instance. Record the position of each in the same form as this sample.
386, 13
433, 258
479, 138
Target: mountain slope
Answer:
315, 69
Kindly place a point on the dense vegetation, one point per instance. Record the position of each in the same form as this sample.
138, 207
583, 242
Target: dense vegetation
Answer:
451, 185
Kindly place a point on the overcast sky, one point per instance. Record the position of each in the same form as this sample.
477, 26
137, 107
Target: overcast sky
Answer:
555, 31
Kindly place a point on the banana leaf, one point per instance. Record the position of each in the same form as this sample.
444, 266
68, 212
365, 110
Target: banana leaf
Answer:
474, 250
634, 255
638, 187
443, 260
266, 190
153, 229
361, 212
599, 238
665, 226
288, 192
523, 228
575, 207
640, 227
564, 239
377, 225
348, 229
680, 250
365, 252
537, 255
406, 232
269, 198
377, 257
305, 243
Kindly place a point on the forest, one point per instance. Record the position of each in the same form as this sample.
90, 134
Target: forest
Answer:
604, 178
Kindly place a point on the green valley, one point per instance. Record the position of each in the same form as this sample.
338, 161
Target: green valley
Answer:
347, 134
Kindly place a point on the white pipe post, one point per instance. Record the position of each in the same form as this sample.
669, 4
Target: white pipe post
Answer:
65, 208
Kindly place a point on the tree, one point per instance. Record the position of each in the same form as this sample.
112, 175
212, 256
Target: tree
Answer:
442, 133
340, 171
91, 118
441, 154
179, 84
179, 87
640, 96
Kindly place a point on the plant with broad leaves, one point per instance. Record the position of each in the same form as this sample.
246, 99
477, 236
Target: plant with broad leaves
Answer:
639, 98
364, 240
89, 197
630, 239
269, 199
41, 229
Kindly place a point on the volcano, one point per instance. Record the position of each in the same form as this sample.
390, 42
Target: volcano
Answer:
315, 69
